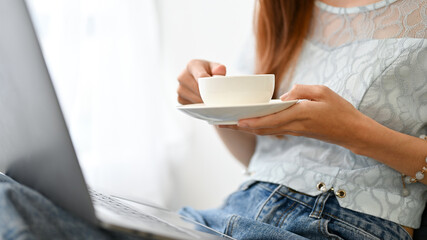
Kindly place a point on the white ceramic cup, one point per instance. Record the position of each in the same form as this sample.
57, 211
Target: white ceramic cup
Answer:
236, 90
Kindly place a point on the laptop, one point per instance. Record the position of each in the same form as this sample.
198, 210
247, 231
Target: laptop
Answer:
36, 149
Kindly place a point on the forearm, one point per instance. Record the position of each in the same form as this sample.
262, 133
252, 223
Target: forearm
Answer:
401, 152
240, 144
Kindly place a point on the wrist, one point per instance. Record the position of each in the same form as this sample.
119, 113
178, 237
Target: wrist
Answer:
369, 136
399, 151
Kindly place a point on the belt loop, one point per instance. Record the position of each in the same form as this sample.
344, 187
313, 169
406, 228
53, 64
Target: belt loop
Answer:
263, 208
319, 205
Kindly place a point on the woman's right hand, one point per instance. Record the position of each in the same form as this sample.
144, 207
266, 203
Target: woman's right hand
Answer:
188, 89
240, 144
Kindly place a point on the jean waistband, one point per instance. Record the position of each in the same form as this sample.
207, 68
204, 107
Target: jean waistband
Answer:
325, 203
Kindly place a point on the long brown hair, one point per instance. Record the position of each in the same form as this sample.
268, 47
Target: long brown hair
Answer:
280, 29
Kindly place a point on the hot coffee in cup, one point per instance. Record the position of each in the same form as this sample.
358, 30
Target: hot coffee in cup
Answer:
236, 90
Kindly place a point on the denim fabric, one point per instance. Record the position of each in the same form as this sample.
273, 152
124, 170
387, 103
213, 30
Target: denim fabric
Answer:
25, 214
267, 211
256, 211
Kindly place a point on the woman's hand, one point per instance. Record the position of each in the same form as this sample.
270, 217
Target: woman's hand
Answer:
325, 116
240, 144
188, 89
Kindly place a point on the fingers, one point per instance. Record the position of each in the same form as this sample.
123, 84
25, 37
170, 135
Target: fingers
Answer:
287, 116
187, 94
188, 90
183, 101
270, 121
199, 68
283, 130
218, 69
187, 80
311, 92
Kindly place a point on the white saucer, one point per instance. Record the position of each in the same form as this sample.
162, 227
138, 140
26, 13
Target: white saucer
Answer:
229, 115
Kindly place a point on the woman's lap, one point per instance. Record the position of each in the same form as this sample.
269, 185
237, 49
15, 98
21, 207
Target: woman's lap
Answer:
25, 214
273, 212
276, 212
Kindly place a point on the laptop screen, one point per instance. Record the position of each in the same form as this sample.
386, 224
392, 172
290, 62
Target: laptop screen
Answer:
35, 146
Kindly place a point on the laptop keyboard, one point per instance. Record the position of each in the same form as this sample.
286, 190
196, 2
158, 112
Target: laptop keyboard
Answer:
125, 210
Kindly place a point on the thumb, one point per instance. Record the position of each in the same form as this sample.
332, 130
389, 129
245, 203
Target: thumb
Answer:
310, 92
218, 69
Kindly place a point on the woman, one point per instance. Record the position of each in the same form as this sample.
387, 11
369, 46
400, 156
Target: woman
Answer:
351, 164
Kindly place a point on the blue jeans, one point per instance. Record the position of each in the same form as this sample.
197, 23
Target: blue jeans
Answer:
26, 214
256, 211
269, 211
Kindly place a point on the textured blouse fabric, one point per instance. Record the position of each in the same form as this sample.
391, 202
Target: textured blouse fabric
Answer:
375, 57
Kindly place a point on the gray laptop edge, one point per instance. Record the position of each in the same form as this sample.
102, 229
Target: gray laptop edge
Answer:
35, 147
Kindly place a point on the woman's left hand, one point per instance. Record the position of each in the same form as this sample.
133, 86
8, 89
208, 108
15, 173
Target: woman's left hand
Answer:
326, 116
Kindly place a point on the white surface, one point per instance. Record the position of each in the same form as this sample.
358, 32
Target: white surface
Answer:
228, 115
236, 90
111, 60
